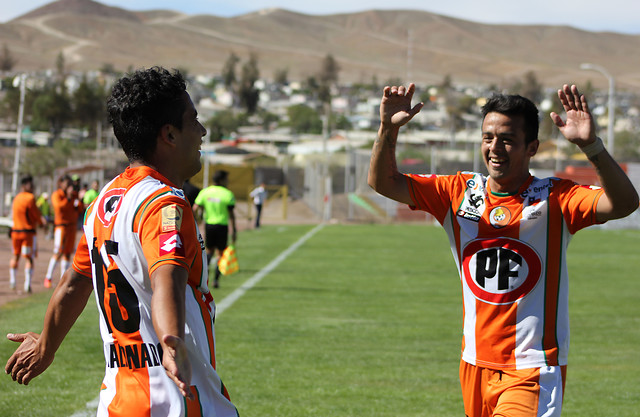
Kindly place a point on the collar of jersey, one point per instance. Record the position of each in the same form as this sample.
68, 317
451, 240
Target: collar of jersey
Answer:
523, 187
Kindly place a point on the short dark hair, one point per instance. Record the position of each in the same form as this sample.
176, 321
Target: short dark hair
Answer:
219, 176
515, 105
27, 179
140, 104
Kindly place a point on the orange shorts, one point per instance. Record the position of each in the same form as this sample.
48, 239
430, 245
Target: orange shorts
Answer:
532, 392
64, 239
24, 243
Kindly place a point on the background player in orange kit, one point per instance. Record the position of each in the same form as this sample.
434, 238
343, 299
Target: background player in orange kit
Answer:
67, 207
508, 234
143, 250
26, 218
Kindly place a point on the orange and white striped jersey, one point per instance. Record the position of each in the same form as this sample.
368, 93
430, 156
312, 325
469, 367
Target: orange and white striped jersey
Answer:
510, 250
138, 223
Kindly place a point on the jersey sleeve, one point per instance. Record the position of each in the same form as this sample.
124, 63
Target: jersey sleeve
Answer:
431, 193
82, 259
168, 233
578, 204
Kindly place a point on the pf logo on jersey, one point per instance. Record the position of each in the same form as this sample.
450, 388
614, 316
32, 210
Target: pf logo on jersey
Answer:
171, 244
109, 205
501, 270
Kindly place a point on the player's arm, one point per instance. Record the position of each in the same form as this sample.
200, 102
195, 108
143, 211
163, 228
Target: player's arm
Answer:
232, 222
36, 351
395, 111
169, 284
620, 196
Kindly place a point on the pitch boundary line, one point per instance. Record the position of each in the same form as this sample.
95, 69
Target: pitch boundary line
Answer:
251, 282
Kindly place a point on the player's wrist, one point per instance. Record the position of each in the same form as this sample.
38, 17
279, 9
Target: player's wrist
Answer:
593, 148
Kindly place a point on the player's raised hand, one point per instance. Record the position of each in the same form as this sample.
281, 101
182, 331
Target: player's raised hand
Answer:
579, 127
395, 107
176, 362
29, 360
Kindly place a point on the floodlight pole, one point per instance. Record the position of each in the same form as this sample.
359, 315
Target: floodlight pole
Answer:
611, 103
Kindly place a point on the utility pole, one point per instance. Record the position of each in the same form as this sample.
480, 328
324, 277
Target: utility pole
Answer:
16, 160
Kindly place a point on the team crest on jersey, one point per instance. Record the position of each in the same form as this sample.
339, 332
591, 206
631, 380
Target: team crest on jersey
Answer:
171, 244
109, 205
499, 217
501, 270
171, 218
473, 204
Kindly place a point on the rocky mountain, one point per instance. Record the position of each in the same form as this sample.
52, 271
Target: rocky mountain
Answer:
406, 44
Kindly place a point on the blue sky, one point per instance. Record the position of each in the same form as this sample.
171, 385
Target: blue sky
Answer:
612, 15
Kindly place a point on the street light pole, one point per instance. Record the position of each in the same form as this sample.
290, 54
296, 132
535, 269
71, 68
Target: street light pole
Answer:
611, 102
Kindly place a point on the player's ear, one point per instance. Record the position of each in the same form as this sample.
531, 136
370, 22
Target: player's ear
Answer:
167, 133
532, 147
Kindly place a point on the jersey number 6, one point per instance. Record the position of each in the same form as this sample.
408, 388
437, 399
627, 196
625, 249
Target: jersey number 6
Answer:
122, 299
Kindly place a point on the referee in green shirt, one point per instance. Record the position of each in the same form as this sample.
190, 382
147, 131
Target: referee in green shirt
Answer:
217, 203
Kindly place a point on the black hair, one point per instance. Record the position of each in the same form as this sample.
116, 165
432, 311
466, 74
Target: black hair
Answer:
219, 176
27, 179
515, 105
142, 103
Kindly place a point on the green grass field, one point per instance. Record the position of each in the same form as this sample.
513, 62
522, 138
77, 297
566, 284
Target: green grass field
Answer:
362, 320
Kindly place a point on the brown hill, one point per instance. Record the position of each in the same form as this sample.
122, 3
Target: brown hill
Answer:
410, 45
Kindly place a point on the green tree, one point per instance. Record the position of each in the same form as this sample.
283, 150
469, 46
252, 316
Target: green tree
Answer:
89, 104
281, 77
529, 88
304, 119
7, 61
327, 77
222, 125
229, 71
626, 146
52, 109
44, 160
247, 92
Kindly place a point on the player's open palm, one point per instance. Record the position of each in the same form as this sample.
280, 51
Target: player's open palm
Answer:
395, 107
579, 127
176, 362
27, 362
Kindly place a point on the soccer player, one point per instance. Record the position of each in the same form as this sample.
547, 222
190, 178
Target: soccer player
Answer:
142, 247
218, 203
508, 233
26, 217
66, 209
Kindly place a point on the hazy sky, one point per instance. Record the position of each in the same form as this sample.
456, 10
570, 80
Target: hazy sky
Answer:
594, 15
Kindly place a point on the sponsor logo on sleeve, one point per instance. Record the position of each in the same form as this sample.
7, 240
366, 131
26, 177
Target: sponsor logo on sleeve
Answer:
171, 218
171, 244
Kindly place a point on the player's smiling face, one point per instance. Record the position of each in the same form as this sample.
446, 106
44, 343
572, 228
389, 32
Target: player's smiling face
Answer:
190, 138
505, 153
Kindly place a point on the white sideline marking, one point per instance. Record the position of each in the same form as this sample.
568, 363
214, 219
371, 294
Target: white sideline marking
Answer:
92, 406
251, 282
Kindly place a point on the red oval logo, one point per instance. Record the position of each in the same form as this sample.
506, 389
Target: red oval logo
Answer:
501, 270
109, 205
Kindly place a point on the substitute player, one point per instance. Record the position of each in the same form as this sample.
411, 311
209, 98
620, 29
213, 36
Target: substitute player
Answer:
67, 207
142, 247
26, 218
509, 233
